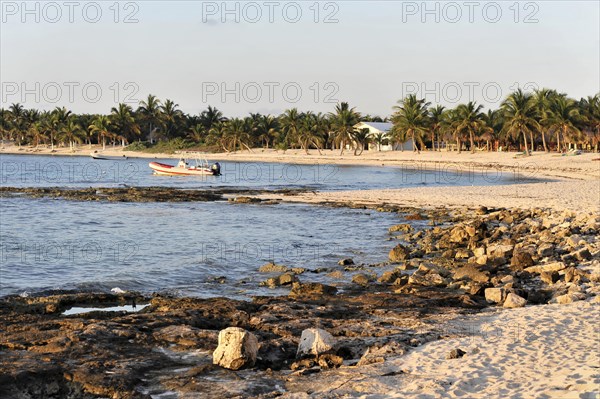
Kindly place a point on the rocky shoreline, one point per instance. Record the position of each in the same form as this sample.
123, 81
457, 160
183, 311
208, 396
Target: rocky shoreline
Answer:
464, 261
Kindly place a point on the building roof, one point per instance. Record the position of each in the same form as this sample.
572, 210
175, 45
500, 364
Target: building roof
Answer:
381, 126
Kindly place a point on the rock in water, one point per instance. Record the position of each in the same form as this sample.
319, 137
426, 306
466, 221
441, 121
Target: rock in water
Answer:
514, 301
314, 342
237, 349
398, 253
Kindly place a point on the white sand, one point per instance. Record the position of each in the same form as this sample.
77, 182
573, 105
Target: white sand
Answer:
549, 351
576, 196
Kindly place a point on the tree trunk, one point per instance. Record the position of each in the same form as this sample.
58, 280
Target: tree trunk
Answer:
458, 144
433, 140
472, 142
558, 141
544, 141
525, 141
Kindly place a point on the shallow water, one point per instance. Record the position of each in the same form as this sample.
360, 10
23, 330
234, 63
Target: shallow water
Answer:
179, 247
62, 171
124, 308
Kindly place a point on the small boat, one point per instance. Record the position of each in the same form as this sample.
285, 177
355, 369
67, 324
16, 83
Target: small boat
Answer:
101, 157
183, 169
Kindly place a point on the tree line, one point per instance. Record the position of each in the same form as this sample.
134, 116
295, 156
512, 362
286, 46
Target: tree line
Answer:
541, 120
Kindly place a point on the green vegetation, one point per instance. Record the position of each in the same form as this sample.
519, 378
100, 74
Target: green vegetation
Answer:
542, 120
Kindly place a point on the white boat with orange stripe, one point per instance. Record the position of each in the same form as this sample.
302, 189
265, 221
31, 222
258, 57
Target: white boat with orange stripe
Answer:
182, 168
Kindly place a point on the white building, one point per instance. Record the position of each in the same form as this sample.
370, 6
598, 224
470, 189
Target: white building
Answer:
383, 127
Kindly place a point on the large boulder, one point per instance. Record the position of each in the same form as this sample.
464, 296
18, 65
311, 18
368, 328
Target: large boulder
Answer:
399, 253
514, 301
315, 342
282, 280
237, 349
548, 267
403, 228
495, 295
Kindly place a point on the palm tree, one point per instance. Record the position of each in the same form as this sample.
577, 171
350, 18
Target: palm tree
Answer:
342, 123
469, 118
379, 139
493, 126
210, 117
58, 118
36, 131
542, 98
361, 138
151, 112
410, 120
309, 132
197, 133
590, 118
562, 118
268, 127
170, 116
124, 122
435, 123
71, 132
100, 126
520, 116
236, 134
290, 122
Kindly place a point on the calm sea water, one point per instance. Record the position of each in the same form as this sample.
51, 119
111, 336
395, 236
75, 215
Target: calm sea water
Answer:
55, 244
43, 171
199, 249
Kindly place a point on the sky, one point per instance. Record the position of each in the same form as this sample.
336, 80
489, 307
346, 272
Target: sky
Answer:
268, 56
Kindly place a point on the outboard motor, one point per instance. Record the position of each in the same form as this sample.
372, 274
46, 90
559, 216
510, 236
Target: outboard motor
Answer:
216, 169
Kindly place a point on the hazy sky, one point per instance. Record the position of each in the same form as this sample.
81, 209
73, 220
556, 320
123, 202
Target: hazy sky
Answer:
305, 54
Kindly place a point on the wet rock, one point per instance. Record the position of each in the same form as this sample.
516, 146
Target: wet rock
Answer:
184, 335
390, 276
495, 295
346, 262
273, 268
282, 280
315, 342
456, 354
403, 228
549, 277
521, 260
245, 200
514, 301
399, 253
237, 349
362, 279
308, 290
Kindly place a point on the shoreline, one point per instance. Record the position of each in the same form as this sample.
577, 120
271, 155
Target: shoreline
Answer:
581, 167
